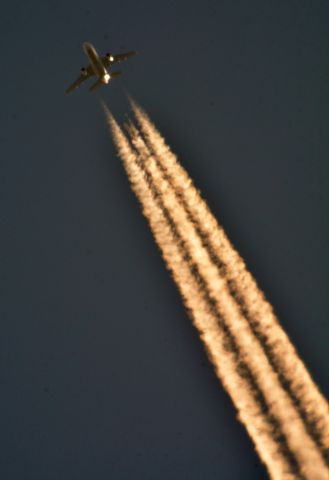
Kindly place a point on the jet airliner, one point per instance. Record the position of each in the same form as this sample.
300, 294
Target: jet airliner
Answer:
98, 67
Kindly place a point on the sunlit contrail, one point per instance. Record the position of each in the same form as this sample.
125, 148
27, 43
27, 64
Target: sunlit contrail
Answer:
279, 350
242, 336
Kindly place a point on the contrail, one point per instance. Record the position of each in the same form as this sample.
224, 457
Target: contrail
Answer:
291, 372
241, 334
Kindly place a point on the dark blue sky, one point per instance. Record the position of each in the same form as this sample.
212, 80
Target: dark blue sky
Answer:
102, 375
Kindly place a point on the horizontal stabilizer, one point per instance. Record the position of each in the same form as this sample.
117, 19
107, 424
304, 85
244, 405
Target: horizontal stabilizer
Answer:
115, 74
96, 85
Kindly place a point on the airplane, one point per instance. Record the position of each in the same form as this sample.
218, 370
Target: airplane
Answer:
98, 66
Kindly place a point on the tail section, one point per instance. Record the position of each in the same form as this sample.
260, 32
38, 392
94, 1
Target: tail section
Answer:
115, 74
96, 85
99, 82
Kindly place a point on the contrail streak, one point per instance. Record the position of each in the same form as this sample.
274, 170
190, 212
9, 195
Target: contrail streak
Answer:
226, 307
275, 396
291, 372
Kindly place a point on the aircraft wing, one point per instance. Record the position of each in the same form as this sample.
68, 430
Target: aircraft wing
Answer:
111, 59
85, 74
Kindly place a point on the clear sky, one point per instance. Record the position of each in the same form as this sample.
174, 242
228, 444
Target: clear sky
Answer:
102, 374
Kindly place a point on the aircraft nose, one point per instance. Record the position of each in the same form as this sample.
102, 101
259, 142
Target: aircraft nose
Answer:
86, 46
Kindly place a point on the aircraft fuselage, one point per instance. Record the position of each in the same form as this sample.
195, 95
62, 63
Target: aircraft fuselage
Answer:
96, 63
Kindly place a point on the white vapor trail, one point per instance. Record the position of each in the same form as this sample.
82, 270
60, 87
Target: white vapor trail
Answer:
283, 411
280, 351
